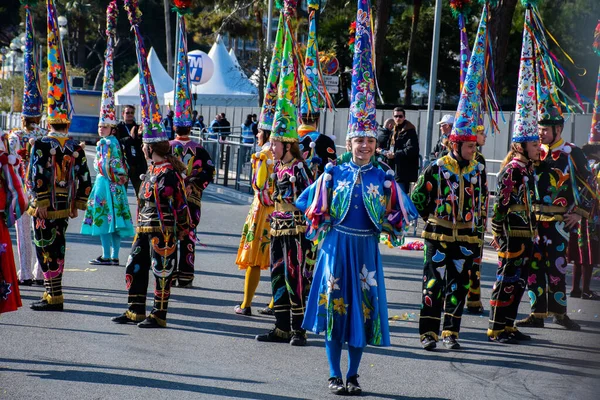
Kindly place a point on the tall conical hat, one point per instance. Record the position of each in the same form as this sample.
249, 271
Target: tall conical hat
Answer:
595, 131
59, 98
285, 126
153, 129
468, 113
32, 94
267, 113
362, 122
107, 105
525, 128
460, 11
183, 97
309, 103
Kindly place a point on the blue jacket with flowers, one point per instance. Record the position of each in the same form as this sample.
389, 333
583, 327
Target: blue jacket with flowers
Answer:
327, 201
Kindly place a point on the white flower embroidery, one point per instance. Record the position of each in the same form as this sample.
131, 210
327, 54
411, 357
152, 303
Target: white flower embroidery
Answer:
342, 185
367, 278
332, 284
373, 190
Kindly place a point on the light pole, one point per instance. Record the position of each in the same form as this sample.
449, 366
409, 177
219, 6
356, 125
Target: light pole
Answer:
433, 76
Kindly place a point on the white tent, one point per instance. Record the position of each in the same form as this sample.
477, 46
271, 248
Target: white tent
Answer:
227, 87
163, 83
237, 63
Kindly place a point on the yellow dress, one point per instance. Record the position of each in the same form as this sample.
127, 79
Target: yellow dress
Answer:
255, 249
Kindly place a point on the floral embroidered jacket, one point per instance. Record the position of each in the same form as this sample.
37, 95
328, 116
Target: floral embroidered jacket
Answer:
200, 168
19, 143
58, 176
513, 211
290, 180
162, 205
327, 201
563, 173
452, 200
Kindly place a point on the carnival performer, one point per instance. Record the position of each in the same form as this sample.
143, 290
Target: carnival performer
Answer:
200, 169
163, 216
513, 221
254, 252
19, 143
107, 214
449, 196
588, 238
13, 204
59, 179
317, 149
291, 251
348, 208
561, 192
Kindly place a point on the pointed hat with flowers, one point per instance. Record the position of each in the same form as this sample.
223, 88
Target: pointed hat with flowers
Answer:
32, 94
107, 104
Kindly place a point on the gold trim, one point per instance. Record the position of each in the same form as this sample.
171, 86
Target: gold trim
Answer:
292, 231
540, 315
81, 205
135, 317
285, 207
542, 208
441, 237
582, 212
447, 224
445, 334
161, 322
152, 229
53, 299
549, 218
494, 333
523, 233
475, 303
432, 334
517, 208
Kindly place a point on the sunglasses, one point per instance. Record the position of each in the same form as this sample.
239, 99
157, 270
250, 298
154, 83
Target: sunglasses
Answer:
129, 113
398, 116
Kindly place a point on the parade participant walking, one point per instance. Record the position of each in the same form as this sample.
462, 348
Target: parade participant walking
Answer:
290, 250
348, 208
563, 197
255, 245
19, 145
163, 215
449, 196
128, 133
107, 214
317, 149
58, 177
13, 204
199, 170
513, 221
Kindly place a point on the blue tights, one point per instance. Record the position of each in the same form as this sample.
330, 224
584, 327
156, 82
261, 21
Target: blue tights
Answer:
334, 356
111, 244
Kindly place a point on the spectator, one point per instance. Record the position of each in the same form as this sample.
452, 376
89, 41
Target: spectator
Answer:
405, 146
215, 127
128, 133
168, 123
247, 134
441, 148
384, 136
225, 126
254, 125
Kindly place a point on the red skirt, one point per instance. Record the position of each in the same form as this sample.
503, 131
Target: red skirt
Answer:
10, 297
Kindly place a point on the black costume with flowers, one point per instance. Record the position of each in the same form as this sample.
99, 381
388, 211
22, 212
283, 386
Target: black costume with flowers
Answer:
450, 197
163, 217
58, 180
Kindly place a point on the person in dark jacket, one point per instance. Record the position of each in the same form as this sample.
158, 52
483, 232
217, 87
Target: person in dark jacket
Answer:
225, 126
405, 145
130, 137
384, 135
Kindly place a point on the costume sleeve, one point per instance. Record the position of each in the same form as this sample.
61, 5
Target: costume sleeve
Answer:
262, 183
304, 177
82, 174
171, 198
39, 177
484, 195
424, 193
504, 198
203, 170
584, 182
314, 202
400, 211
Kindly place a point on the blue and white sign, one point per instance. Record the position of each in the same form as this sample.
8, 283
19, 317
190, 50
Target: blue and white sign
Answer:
201, 67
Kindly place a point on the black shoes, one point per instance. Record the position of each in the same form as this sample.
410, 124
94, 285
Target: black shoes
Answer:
101, 261
122, 319
476, 310
352, 386
531, 322
564, 320
590, 296
428, 342
451, 342
336, 386
114, 261
503, 338
247, 311
520, 336
266, 311
186, 285
43, 305
575, 294
149, 322
298, 338
39, 282
26, 282
275, 335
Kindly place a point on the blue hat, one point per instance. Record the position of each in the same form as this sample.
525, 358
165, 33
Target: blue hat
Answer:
32, 94
362, 121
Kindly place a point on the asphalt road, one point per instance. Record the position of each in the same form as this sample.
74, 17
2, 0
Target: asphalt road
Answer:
208, 352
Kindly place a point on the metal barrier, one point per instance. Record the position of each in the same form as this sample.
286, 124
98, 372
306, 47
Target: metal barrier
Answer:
231, 157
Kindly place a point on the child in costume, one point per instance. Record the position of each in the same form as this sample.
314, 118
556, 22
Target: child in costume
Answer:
108, 214
163, 215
